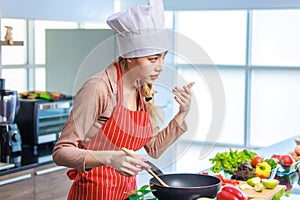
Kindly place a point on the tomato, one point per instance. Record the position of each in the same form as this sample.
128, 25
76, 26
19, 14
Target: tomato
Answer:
276, 157
286, 159
256, 159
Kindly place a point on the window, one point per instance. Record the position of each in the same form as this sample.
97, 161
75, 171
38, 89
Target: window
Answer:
275, 105
39, 28
276, 40
261, 79
200, 116
15, 79
222, 34
260, 76
14, 58
276, 80
40, 77
14, 55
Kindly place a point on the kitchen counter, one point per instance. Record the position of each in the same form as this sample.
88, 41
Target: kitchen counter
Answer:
292, 181
35, 176
29, 159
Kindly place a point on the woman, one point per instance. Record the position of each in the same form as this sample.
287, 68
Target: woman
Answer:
115, 109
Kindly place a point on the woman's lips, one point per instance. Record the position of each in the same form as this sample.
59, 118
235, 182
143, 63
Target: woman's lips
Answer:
154, 77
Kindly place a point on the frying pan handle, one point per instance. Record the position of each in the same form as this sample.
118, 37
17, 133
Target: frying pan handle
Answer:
155, 169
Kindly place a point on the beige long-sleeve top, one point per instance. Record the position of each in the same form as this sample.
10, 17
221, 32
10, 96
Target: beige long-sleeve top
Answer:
93, 105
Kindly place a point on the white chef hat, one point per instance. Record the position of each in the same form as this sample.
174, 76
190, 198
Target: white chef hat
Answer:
140, 30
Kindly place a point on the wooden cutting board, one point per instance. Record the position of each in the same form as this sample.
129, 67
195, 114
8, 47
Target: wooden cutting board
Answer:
266, 194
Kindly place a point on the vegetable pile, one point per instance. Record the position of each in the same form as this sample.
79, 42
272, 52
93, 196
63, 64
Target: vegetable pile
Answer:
243, 165
229, 161
244, 172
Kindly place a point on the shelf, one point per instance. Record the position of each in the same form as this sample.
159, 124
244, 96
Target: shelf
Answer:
16, 43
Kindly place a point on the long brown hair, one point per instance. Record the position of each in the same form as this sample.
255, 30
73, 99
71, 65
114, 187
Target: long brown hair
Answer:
147, 94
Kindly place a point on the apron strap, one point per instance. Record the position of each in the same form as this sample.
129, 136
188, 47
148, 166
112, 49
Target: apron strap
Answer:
141, 97
120, 84
120, 88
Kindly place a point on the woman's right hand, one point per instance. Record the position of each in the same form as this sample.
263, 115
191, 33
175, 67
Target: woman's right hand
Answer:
122, 163
127, 165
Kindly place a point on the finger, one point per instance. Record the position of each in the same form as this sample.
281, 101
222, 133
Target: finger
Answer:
130, 168
127, 172
141, 163
133, 170
178, 91
187, 90
179, 101
182, 94
190, 85
186, 95
134, 158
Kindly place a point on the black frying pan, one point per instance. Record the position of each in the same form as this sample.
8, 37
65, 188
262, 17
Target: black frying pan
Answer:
184, 186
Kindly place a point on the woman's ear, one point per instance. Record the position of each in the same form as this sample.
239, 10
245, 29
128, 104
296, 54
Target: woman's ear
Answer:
129, 60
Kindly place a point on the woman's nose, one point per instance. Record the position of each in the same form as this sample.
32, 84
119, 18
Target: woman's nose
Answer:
160, 63
159, 67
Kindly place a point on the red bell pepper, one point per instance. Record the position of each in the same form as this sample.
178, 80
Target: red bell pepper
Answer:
227, 181
229, 192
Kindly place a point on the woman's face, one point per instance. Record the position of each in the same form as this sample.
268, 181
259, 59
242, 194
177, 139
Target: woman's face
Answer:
147, 68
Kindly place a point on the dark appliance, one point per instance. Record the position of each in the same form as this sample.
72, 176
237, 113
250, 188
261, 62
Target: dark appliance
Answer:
40, 122
11, 143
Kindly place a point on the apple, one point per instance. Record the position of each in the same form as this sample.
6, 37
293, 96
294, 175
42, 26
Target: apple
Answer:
286, 159
276, 157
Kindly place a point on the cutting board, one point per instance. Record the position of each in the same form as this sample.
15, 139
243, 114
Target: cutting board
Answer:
266, 194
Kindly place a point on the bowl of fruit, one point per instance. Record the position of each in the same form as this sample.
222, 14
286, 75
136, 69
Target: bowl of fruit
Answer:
287, 164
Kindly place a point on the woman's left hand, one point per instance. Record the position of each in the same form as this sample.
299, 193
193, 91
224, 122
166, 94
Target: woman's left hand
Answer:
183, 97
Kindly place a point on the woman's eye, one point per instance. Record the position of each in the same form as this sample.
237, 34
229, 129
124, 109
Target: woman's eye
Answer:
153, 59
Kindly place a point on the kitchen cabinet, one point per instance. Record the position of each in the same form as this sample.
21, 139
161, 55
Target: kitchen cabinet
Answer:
19, 185
51, 182
46, 182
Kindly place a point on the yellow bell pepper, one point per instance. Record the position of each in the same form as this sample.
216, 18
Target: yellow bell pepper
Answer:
263, 170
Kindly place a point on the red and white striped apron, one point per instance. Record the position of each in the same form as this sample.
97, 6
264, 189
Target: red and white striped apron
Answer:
125, 128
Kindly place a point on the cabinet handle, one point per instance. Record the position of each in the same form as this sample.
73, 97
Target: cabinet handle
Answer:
49, 170
18, 178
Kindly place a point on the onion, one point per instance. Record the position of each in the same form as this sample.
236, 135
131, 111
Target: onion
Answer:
297, 150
